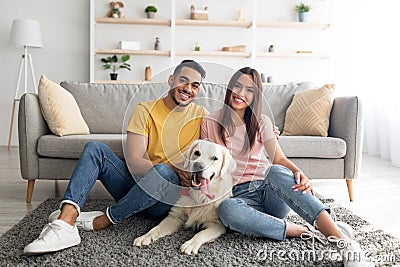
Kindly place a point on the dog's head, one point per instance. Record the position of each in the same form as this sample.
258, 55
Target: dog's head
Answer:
211, 166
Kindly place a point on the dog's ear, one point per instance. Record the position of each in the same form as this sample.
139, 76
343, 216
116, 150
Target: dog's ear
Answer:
228, 163
186, 154
112, 4
120, 4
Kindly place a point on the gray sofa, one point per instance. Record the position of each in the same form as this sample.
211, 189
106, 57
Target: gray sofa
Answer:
106, 109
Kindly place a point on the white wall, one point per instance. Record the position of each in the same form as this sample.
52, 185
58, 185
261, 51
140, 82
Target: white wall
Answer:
64, 56
65, 32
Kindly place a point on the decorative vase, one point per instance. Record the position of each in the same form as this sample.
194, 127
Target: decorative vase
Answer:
157, 44
303, 16
150, 15
113, 76
147, 73
263, 77
271, 49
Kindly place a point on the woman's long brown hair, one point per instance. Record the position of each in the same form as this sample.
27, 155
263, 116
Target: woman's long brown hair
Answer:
252, 113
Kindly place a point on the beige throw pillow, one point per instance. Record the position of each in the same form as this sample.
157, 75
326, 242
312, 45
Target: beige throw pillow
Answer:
60, 109
309, 112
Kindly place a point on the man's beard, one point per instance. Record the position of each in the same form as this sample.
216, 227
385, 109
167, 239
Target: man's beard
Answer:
180, 104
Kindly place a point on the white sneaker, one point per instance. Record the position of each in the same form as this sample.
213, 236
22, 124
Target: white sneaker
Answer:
84, 220
346, 229
350, 250
354, 256
55, 236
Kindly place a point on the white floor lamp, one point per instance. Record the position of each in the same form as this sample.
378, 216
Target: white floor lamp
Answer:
24, 33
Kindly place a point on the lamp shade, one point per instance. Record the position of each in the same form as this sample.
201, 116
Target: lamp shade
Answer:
25, 32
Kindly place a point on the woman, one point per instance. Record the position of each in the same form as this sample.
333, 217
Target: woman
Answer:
265, 192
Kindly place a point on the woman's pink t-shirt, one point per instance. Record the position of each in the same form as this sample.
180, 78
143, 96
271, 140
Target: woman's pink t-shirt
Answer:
251, 165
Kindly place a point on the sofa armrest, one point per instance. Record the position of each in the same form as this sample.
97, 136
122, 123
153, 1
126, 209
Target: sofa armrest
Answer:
346, 122
31, 125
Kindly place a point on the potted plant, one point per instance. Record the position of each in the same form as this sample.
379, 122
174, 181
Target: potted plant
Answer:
197, 47
271, 49
114, 63
150, 11
302, 10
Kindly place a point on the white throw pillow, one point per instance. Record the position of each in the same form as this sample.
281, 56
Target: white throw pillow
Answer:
60, 109
309, 112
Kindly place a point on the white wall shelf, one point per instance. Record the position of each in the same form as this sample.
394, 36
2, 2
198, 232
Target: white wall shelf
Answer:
121, 82
134, 52
158, 22
178, 35
213, 23
212, 54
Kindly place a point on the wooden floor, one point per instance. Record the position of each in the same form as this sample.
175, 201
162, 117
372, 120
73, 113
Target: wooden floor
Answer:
377, 192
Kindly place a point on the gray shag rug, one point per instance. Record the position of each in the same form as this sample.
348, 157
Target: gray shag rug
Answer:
114, 246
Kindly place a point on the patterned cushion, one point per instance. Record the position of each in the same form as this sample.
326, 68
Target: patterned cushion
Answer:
277, 99
60, 109
308, 114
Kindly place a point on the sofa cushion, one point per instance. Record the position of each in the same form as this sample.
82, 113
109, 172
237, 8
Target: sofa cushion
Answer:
309, 112
211, 96
312, 147
71, 146
104, 105
277, 99
107, 107
60, 109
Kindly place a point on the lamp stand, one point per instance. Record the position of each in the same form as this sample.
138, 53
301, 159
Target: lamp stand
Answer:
26, 57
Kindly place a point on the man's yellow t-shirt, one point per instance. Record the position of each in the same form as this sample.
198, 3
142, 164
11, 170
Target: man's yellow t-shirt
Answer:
168, 132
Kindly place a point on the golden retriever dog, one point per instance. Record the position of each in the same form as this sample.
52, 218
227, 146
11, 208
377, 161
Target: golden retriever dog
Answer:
211, 166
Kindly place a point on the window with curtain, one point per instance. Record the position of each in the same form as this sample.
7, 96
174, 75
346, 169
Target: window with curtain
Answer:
365, 62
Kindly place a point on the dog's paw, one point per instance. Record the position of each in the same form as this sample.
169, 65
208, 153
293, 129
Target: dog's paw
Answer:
144, 240
190, 247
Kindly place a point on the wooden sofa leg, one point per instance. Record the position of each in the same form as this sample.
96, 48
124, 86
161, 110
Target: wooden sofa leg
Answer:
29, 192
349, 183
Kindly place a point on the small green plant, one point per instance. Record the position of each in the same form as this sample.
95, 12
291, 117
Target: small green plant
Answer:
150, 9
114, 64
197, 47
301, 8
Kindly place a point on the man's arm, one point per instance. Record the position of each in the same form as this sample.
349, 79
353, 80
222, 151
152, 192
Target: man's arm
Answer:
136, 145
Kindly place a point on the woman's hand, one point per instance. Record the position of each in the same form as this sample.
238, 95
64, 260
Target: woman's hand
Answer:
302, 183
276, 131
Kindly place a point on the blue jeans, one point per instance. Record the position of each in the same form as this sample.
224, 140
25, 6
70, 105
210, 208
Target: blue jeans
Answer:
259, 208
153, 194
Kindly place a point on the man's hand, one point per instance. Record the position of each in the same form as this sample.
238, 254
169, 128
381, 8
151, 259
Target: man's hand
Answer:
302, 183
182, 174
276, 131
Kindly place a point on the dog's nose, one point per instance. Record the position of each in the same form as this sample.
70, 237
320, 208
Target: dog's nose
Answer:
198, 166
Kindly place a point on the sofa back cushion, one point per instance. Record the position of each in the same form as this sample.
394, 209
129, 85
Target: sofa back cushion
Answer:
277, 99
104, 105
106, 108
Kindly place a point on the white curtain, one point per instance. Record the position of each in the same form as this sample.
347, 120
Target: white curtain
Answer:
366, 62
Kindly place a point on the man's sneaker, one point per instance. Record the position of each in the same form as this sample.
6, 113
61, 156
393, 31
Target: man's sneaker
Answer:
350, 250
84, 220
55, 236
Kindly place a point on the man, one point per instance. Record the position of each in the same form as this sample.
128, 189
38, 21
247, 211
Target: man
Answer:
149, 181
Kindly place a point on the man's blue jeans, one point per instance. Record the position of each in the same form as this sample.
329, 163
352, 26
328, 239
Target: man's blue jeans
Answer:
259, 208
153, 194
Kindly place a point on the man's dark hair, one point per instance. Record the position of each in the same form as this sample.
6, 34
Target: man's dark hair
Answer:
190, 64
